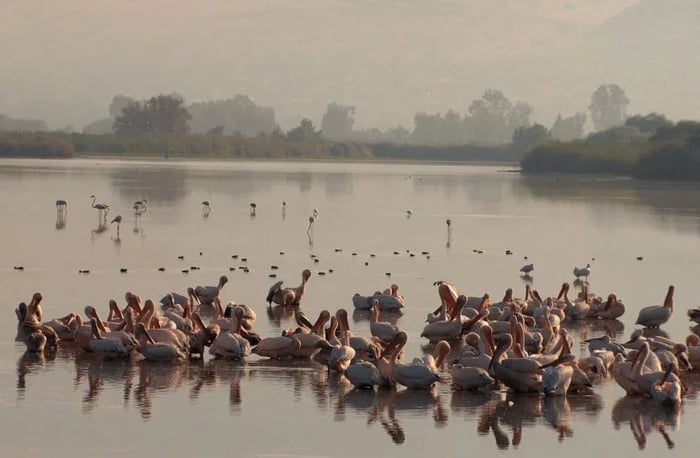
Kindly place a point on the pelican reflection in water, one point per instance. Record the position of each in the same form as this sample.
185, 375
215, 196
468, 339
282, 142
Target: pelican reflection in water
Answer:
645, 416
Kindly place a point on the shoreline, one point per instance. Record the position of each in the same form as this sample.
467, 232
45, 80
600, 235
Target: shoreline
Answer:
182, 159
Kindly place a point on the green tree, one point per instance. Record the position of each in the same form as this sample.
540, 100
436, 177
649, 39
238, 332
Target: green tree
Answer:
304, 132
492, 120
608, 107
679, 132
525, 138
338, 121
238, 114
649, 123
567, 129
427, 128
118, 103
160, 114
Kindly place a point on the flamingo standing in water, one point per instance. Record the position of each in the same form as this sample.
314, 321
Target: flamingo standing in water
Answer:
61, 206
310, 229
102, 209
449, 232
140, 206
117, 219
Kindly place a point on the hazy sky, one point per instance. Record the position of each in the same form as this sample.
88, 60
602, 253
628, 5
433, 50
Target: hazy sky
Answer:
63, 60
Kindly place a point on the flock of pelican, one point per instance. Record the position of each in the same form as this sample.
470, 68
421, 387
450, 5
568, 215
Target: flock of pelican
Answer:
521, 344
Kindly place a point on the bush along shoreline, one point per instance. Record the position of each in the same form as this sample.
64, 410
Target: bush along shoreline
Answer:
672, 152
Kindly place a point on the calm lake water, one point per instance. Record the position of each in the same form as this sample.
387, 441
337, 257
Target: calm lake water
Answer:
73, 404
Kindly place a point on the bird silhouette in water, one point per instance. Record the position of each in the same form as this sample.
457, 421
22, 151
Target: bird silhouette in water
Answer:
117, 219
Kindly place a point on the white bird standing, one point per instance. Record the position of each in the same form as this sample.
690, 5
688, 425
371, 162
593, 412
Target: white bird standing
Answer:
583, 271
206, 208
527, 268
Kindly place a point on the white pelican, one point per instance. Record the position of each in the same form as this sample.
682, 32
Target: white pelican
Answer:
202, 337
611, 309
393, 291
311, 336
231, 345
62, 327
435, 362
446, 330
664, 387
277, 347
414, 375
448, 296
480, 349
206, 294
29, 330
656, 315
470, 378
361, 302
156, 351
117, 346
341, 354
522, 375
364, 374
288, 296
557, 379
382, 330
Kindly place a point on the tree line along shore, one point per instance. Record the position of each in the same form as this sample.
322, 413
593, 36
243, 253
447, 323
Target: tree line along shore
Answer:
493, 130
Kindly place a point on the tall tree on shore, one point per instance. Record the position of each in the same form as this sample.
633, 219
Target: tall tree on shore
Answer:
159, 114
608, 107
567, 129
338, 121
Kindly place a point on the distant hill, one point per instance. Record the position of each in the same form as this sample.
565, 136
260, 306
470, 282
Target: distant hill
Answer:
651, 50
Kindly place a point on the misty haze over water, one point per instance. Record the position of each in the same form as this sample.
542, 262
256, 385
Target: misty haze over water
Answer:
63, 62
